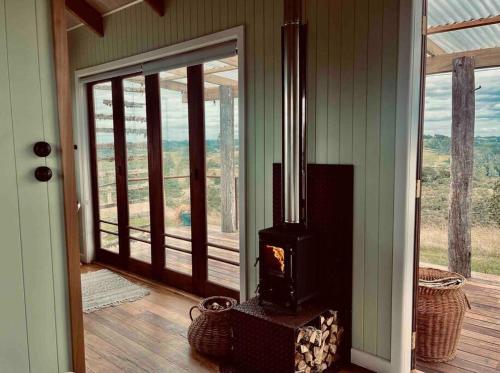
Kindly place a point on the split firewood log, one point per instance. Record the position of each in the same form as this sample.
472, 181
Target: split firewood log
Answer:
316, 347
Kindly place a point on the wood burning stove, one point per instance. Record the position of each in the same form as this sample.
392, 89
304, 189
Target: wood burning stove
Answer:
287, 252
288, 266
307, 253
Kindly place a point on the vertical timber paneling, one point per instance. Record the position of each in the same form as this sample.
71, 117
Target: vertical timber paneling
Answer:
359, 156
386, 170
312, 21
27, 117
55, 190
372, 176
35, 336
346, 82
352, 63
13, 338
269, 108
259, 109
321, 68
334, 79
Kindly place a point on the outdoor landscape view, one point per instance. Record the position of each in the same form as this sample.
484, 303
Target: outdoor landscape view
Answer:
221, 151
485, 231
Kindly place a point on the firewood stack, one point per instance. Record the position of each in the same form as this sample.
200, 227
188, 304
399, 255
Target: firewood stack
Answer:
316, 349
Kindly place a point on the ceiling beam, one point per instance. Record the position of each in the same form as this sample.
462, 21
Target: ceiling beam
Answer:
87, 14
209, 76
489, 57
433, 49
157, 5
233, 61
463, 25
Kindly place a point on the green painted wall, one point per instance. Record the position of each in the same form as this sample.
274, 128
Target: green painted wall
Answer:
352, 69
34, 327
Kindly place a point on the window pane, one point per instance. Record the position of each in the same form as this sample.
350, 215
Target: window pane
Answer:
109, 242
105, 159
137, 164
176, 179
222, 169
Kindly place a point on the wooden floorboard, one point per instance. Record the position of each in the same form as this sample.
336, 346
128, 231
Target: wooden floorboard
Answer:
148, 335
479, 345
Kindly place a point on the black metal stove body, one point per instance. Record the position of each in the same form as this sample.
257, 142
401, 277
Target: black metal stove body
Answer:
288, 266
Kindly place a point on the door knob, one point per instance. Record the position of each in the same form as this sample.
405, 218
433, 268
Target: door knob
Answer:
43, 173
42, 148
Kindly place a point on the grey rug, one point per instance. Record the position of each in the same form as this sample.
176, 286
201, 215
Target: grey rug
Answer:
103, 288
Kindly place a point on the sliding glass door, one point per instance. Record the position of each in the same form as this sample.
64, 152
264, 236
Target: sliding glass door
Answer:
220, 85
104, 167
136, 140
165, 166
176, 170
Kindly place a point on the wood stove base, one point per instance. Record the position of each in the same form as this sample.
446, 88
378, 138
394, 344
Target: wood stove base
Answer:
264, 338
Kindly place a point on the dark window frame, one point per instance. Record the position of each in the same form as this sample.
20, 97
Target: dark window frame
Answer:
198, 283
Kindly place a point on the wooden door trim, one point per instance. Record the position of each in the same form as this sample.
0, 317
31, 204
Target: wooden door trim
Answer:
72, 233
196, 118
93, 166
121, 169
155, 172
420, 143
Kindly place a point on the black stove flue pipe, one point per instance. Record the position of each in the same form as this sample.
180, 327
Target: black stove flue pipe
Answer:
294, 170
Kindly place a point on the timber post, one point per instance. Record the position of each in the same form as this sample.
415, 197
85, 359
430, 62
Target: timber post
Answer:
227, 190
462, 165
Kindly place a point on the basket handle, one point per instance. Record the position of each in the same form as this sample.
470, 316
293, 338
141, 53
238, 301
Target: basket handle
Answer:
191, 312
467, 300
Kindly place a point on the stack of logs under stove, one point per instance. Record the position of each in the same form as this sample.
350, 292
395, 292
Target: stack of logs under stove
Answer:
316, 348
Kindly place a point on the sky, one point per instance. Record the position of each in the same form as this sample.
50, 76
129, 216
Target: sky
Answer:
438, 103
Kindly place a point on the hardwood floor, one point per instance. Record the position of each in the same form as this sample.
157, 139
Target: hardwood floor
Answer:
479, 346
148, 335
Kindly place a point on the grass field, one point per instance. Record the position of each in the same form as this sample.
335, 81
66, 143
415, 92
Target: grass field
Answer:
485, 207
485, 248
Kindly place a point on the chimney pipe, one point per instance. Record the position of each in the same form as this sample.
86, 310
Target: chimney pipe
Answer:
294, 115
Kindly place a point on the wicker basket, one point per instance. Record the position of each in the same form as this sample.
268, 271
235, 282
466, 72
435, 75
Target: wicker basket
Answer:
210, 333
441, 311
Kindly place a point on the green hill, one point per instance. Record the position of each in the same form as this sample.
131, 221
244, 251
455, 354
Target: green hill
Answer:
485, 202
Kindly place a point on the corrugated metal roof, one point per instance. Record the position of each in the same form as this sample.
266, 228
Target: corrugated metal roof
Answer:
442, 12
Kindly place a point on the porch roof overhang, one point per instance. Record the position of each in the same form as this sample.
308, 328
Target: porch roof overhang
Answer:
462, 28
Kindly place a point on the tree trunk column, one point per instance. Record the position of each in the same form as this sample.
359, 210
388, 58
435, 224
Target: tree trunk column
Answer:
227, 191
462, 162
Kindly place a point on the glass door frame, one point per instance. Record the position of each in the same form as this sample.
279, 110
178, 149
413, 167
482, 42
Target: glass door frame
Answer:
197, 283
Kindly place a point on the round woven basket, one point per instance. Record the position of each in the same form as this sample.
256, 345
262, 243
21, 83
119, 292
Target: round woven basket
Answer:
210, 333
441, 311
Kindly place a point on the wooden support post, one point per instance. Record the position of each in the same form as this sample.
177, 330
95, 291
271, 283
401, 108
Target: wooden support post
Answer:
462, 162
227, 190
71, 226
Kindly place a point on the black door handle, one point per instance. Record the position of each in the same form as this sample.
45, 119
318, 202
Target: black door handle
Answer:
42, 148
43, 173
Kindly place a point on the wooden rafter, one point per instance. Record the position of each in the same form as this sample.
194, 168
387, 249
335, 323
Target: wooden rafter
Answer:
233, 61
157, 5
433, 49
87, 14
209, 75
489, 57
463, 25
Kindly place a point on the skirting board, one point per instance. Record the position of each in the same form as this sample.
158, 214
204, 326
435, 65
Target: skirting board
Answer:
370, 362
